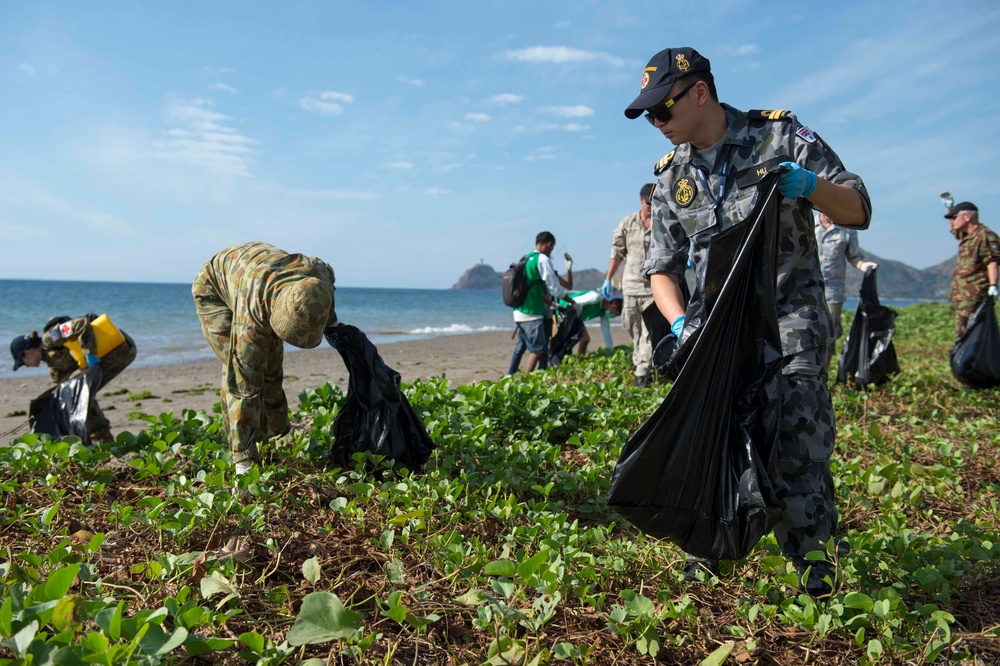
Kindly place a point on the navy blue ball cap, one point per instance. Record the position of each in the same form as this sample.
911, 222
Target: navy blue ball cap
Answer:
21, 344
662, 70
958, 208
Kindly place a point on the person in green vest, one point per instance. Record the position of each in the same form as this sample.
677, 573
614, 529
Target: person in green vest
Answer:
544, 287
592, 305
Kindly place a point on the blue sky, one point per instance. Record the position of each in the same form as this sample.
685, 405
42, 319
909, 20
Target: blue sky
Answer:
405, 142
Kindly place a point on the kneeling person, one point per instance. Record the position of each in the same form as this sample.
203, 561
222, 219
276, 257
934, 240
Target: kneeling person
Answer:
591, 305
251, 299
51, 348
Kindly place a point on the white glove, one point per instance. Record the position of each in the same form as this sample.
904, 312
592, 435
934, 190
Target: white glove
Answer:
569, 261
866, 266
992, 291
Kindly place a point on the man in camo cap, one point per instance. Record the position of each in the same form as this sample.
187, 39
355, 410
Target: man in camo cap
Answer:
251, 299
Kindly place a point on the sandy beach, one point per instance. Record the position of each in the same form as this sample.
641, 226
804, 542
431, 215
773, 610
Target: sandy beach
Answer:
462, 359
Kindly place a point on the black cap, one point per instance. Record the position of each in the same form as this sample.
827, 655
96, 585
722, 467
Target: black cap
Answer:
21, 344
958, 208
662, 70
647, 192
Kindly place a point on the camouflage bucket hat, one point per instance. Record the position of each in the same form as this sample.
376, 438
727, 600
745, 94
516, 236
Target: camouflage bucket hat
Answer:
301, 311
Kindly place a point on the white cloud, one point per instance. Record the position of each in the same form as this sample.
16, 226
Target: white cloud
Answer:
543, 153
477, 117
507, 98
561, 55
575, 127
327, 102
436, 191
578, 111
410, 82
201, 137
220, 70
747, 50
27, 69
400, 165
224, 88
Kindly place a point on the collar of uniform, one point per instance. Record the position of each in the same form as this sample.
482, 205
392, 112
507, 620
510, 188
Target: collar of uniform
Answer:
736, 134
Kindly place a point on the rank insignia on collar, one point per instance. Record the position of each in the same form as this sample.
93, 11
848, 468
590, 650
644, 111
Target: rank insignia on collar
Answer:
770, 114
684, 192
806, 134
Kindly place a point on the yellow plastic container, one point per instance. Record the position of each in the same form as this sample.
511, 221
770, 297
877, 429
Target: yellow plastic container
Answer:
108, 338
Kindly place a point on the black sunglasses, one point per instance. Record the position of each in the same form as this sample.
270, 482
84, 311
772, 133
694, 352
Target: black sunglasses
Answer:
661, 111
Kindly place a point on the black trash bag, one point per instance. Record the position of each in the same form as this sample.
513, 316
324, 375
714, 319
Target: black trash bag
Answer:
62, 409
699, 470
975, 356
869, 356
569, 332
663, 340
376, 416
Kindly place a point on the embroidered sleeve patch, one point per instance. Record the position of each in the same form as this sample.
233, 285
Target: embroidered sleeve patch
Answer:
806, 134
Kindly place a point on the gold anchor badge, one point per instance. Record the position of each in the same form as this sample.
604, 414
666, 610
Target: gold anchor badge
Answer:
683, 192
682, 63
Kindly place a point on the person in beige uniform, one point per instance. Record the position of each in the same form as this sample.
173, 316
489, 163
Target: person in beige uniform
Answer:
629, 244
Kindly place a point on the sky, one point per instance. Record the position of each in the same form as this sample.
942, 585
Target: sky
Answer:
404, 142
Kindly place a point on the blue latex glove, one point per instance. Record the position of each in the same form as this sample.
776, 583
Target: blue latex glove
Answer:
796, 182
678, 326
606, 290
92, 360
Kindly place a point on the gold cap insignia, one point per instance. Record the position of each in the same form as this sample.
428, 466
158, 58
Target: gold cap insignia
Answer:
682, 63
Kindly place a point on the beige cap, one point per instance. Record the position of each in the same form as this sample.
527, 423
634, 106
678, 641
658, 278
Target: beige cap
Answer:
301, 311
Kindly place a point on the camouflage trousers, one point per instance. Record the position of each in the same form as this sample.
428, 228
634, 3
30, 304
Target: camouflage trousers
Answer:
806, 436
961, 312
632, 322
112, 365
836, 310
248, 417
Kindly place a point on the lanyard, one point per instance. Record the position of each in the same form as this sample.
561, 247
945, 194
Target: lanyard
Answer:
703, 180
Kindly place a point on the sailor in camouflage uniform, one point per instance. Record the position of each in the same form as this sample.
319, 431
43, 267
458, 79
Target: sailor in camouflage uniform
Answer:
31, 350
837, 247
709, 184
251, 299
975, 275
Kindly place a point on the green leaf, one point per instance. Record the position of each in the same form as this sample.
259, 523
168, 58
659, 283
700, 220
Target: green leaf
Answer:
60, 581
311, 570
500, 568
253, 640
718, 656
196, 645
64, 614
22, 639
6, 612
216, 583
323, 618
157, 642
473, 598
110, 620
860, 601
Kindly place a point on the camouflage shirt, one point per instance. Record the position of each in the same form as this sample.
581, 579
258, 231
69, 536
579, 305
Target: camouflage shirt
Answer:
836, 245
685, 218
54, 352
976, 250
244, 279
630, 243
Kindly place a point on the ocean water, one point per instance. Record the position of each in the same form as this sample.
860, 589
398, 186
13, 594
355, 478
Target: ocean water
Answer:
162, 320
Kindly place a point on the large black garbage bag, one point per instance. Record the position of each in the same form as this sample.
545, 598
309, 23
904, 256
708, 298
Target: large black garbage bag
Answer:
376, 416
568, 333
869, 356
975, 357
699, 470
62, 409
